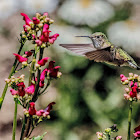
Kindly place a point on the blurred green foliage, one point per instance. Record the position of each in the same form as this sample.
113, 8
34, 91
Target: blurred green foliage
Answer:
91, 94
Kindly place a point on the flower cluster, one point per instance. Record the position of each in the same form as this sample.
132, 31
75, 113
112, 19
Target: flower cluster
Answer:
37, 31
107, 133
137, 132
38, 23
41, 114
133, 86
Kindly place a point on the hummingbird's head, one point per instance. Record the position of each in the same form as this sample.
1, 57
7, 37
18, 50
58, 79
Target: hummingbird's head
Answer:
98, 39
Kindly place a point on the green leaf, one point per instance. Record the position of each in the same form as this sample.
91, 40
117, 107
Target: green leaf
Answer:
39, 137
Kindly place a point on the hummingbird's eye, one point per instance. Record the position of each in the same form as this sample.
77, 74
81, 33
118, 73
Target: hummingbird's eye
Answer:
97, 36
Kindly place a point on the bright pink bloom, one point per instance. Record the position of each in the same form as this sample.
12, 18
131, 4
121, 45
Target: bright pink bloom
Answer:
33, 36
134, 88
137, 132
30, 90
45, 28
45, 33
35, 20
43, 74
38, 42
133, 94
53, 38
20, 58
32, 110
40, 112
26, 18
21, 90
41, 84
43, 61
124, 78
121, 76
13, 92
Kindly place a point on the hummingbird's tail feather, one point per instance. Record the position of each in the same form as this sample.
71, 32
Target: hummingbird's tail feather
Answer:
80, 49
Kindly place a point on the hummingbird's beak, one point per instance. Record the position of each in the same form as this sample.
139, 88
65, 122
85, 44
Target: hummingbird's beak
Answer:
82, 36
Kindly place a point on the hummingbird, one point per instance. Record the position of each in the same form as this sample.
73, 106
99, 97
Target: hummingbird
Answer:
102, 50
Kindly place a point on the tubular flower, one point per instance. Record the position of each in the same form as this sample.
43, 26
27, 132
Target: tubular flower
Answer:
28, 53
28, 21
21, 90
32, 110
137, 132
43, 61
53, 71
13, 92
20, 58
46, 111
38, 42
53, 38
30, 90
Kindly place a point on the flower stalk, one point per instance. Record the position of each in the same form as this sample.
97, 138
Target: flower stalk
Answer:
15, 121
129, 120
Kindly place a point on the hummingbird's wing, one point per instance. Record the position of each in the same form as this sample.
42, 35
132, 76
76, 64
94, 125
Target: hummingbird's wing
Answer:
102, 55
79, 49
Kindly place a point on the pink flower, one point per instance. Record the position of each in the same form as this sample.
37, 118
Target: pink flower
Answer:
32, 110
40, 112
45, 14
21, 90
134, 87
137, 132
42, 76
35, 20
38, 42
30, 90
13, 92
123, 78
41, 84
33, 36
27, 19
43, 61
20, 58
118, 138
53, 38
126, 96
45, 33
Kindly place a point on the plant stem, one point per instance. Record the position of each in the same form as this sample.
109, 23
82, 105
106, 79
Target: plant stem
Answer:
38, 77
11, 73
31, 71
48, 83
129, 120
15, 121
